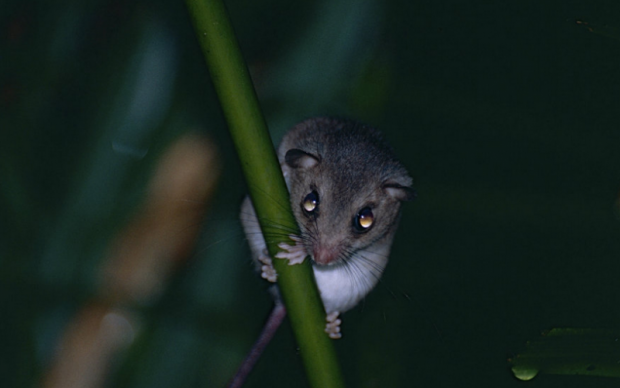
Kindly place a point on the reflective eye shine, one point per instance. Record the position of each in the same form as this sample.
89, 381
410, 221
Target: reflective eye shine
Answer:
364, 220
310, 202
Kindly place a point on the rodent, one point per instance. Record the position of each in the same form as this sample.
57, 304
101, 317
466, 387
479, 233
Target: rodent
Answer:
346, 188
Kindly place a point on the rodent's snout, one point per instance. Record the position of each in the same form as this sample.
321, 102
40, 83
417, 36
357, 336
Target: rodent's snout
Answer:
326, 254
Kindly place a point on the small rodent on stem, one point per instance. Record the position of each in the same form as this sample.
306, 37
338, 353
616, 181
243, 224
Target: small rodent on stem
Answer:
346, 187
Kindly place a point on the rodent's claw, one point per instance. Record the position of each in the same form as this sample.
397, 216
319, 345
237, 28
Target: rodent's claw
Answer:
333, 325
295, 254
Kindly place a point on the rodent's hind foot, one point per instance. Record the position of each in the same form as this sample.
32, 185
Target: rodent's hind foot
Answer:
295, 254
267, 271
333, 325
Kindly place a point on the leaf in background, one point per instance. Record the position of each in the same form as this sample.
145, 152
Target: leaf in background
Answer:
569, 351
139, 264
316, 75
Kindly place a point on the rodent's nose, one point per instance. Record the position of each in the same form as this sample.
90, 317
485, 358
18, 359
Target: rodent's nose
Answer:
325, 255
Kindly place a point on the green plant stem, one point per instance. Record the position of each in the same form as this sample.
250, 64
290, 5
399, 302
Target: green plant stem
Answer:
266, 185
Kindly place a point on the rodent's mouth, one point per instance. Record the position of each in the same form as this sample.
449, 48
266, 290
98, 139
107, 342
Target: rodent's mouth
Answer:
330, 263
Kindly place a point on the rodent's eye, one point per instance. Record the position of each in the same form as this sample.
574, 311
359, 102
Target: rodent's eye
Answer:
310, 202
363, 220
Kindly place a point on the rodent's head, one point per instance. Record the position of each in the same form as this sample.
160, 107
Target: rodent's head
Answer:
346, 187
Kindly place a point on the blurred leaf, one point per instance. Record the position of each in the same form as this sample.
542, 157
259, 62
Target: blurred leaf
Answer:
315, 75
569, 351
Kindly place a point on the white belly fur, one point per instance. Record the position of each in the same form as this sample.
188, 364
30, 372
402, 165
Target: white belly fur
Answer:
341, 287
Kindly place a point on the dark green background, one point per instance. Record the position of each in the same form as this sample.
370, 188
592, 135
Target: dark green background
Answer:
507, 114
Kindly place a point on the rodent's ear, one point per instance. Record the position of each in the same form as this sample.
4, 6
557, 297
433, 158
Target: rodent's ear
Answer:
297, 158
399, 192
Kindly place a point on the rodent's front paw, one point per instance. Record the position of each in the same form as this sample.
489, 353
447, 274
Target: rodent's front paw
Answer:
295, 254
333, 325
267, 271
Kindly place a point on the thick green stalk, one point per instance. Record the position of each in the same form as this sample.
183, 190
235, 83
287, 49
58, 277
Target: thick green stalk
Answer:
266, 184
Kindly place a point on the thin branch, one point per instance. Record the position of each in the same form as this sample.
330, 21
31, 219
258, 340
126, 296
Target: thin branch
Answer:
266, 184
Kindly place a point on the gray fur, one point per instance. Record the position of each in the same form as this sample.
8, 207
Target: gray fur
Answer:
351, 167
